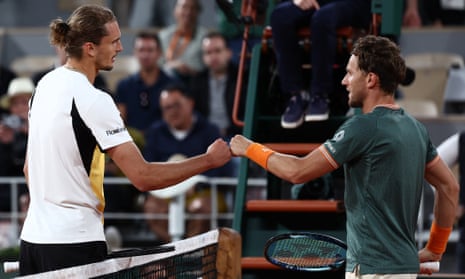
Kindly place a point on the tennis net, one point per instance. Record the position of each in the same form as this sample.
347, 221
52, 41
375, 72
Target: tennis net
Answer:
215, 254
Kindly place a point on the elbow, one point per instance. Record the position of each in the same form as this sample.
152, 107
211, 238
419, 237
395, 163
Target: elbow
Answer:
455, 191
145, 180
140, 185
145, 185
451, 192
297, 180
296, 176
140, 181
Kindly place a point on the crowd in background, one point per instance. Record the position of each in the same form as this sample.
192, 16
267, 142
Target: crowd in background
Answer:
199, 63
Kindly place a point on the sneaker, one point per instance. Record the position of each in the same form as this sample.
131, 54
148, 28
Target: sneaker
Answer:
317, 110
294, 114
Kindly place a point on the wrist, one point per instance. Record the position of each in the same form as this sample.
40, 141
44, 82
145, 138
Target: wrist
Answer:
259, 154
438, 238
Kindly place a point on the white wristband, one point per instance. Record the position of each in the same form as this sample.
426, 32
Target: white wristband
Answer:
434, 266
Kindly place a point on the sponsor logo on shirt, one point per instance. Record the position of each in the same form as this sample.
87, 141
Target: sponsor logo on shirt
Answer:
330, 147
337, 137
115, 131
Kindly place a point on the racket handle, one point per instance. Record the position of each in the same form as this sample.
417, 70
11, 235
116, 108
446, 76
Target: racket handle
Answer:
434, 266
10, 267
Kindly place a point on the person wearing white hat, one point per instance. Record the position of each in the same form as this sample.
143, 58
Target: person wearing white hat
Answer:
18, 94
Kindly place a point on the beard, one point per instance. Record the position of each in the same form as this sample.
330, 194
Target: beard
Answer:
107, 68
355, 103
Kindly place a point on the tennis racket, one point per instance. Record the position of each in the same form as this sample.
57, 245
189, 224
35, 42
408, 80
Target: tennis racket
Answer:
315, 252
306, 252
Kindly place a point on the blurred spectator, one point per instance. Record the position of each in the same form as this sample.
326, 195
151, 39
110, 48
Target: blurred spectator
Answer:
214, 88
181, 41
13, 135
311, 103
181, 132
137, 95
99, 82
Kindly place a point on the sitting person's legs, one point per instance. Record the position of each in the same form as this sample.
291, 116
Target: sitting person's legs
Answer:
324, 23
286, 19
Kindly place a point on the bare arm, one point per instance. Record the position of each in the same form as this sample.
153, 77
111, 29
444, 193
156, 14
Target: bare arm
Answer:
288, 167
447, 191
156, 175
411, 16
445, 200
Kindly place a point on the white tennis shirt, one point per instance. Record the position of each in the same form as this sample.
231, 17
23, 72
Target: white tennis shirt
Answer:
70, 122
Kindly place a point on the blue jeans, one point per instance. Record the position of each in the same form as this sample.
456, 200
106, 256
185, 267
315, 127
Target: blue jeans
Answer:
287, 18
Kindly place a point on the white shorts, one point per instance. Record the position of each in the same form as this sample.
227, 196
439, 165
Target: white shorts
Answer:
356, 275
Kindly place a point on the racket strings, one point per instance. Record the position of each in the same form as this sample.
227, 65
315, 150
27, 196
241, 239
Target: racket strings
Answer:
307, 252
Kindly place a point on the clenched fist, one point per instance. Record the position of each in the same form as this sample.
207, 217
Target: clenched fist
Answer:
239, 144
218, 153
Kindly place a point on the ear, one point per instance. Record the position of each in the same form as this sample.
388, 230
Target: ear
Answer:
90, 49
372, 80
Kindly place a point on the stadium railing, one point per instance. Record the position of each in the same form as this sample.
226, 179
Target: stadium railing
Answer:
226, 185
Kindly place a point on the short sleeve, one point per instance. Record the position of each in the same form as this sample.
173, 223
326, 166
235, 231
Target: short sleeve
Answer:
350, 140
105, 122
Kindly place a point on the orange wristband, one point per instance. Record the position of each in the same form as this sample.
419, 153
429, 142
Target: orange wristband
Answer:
438, 238
259, 154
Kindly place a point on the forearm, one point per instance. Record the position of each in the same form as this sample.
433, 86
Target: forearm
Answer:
445, 206
289, 167
446, 192
147, 176
157, 175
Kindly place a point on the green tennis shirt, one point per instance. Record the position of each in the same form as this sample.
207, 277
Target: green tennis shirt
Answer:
385, 154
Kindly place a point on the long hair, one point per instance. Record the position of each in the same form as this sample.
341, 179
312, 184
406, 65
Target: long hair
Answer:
85, 24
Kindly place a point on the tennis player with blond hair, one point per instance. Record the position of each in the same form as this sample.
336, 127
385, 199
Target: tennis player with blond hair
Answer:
71, 125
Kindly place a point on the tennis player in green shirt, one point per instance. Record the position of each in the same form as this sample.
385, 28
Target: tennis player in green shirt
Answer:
386, 155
